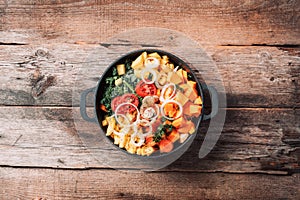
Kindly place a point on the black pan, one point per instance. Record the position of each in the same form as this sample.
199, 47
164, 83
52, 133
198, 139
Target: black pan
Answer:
98, 93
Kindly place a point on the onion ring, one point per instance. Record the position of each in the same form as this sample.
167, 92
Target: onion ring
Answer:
118, 108
171, 101
151, 71
163, 91
140, 137
151, 62
159, 76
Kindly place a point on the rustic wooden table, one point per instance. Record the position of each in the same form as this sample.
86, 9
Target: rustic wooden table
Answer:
255, 44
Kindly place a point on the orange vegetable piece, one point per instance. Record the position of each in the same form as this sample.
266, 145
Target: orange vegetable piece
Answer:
191, 126
168, 108
193, 84
165, 146
150, 142
195, 110
186, 108
172, 113
181, 98
173, 136
184, 129
102, 107
177, 122
198, 101
167, 122
187, 127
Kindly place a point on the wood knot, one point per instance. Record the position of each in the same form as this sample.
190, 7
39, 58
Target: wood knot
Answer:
265, 56
40, 83
41, 53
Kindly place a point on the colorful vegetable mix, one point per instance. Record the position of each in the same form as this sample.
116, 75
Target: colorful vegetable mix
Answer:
150, 105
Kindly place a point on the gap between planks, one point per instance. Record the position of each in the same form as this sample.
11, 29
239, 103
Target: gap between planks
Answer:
275, 173
227, 108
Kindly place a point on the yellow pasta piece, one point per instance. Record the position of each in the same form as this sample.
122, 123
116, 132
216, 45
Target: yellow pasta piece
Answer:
139, 62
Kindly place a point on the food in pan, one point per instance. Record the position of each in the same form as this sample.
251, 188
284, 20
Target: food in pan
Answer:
150, 104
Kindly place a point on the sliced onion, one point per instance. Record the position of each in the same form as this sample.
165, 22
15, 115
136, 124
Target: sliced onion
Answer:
176, 68
158, 85
171, 101
151, 71
122, 115
151, 62
163, 91
140, 137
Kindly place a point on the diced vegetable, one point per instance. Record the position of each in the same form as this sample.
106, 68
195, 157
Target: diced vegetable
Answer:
181, 98
193, 84
186, 108
174, 136
165, 146
185, 76
174, 78
195, 110
183, 137
177, 122
139, 62
121, 69
192, 128
118, 82
104, 122
198, 101
184, 129
102, 107
150, 141
179, 73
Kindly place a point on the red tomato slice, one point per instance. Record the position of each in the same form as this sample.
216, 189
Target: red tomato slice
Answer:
143, 89
130, 98
115, 102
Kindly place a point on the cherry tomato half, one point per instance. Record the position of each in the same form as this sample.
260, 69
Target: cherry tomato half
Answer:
115, 102
130, 98
143, 89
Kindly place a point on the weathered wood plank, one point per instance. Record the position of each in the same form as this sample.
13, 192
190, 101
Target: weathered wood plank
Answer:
253, 140
209, 21
22, 183
47, 74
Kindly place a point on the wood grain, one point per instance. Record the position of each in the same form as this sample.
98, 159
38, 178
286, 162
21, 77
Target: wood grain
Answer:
48, 74
45, 44
209, 22
253, 140
20, 183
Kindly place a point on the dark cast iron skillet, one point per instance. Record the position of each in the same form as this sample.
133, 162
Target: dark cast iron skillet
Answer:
99, 91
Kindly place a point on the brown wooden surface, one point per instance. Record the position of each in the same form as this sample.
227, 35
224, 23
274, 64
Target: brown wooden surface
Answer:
255, 45
25, 183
